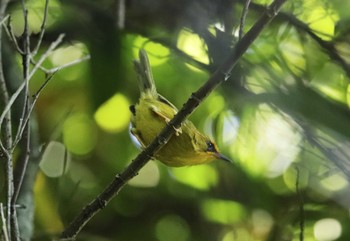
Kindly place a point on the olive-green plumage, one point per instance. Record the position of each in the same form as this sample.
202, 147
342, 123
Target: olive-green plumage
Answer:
152, 113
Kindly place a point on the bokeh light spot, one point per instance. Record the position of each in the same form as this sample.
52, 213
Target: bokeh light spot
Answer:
67, 54
327, 229
172, 228
113, 115
147, 177
79, 134
157, 53
262, 222
53, 160
222, 211
193, 45
334, 182
200, 177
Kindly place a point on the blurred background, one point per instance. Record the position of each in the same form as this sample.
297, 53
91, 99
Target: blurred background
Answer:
282, 117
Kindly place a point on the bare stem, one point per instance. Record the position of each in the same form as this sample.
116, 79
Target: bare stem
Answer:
3, 221
6, 132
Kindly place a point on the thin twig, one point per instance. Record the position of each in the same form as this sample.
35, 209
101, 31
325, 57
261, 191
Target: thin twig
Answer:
12, 37
42, 29
243, 17
25, 63
4, 19
23, 164
196, 98
31, 108
3, 7
3, 221
120, 14
69, 64
35, 68
327, 46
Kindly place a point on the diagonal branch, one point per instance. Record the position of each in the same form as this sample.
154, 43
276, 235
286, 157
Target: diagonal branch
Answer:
196, 98
328, 46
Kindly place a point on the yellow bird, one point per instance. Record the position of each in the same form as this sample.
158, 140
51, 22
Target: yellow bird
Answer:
152, 113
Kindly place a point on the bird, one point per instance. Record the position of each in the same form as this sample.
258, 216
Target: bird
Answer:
188, 146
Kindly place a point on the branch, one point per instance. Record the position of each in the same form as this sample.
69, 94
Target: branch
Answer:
196, 98
12, 36
243, 17
328, 46
35, 68
42, 29
63, 66
3, 221
120, 14
2, 21
24, 163
6, 131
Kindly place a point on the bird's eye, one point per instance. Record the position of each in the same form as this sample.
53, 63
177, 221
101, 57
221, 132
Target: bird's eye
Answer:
211, 147
132, 109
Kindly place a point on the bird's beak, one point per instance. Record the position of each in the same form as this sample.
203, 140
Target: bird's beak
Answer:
222, 157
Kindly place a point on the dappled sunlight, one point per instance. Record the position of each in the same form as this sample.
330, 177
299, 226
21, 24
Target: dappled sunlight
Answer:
194, 46
319, 18
268, 144
292, 50
330, 82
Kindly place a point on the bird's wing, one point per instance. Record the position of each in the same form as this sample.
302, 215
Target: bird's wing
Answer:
166, 112
165, 101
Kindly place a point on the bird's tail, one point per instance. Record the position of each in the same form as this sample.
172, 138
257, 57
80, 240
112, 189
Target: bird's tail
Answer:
145, 76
